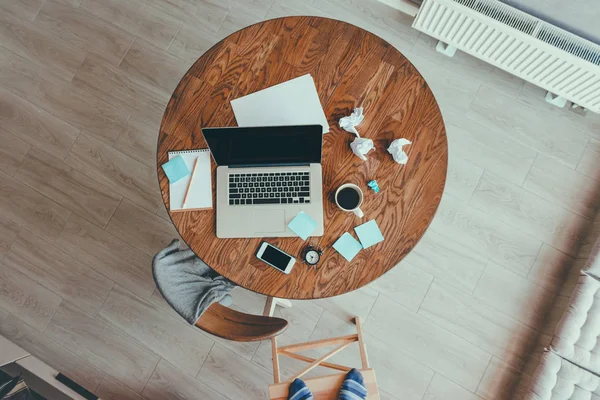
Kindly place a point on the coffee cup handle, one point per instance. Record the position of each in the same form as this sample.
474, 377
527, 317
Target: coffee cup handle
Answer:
358, 212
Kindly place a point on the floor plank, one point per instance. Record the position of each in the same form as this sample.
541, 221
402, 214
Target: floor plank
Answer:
38, 46
502, 114
21, 296
136, 17
530, 213
109, 389
536, 96
114, 169
354, 304
12, 152
168, 381
442, 388
564, 187
117, 356
141, 229
555, 271
107, 255
153, 66
405, 284
589, 159
14, 69
35, 126
31, 210
514, 295
8, 233
77, 107
427, 342
496, 333
232, 376
207, 13
121, 89
169, 337
473, 142
25, 9
191, 42
447, 260
485, 235
61, 183
59, 272
462, 177
237, 18
50, 352
84, 30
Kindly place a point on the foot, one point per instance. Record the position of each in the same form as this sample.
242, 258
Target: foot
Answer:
353, 387
299, 391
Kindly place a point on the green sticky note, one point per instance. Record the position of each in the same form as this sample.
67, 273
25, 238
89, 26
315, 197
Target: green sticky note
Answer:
347, 246
369, 234
303, 225
176, 169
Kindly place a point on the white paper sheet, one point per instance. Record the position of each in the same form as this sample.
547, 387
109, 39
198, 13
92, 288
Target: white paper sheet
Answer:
200, 196
295, 102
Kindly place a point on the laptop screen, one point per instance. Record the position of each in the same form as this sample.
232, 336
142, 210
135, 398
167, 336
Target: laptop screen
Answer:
265, 146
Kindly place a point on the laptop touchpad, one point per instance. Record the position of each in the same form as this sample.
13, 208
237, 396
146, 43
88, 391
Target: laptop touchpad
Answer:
269, 220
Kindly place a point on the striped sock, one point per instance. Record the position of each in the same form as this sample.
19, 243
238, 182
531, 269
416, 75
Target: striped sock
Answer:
353, 387
299, 391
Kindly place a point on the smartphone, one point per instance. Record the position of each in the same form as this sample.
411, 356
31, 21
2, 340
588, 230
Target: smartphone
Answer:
275, 257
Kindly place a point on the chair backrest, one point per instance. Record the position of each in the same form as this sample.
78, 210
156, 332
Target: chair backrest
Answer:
230, 324
325, 387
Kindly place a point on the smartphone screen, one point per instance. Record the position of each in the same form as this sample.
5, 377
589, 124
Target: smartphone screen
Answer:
278, 259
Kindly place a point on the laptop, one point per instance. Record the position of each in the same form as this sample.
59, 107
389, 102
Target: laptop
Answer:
265, 177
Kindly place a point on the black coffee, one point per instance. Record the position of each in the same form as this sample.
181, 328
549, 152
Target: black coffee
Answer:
348, 198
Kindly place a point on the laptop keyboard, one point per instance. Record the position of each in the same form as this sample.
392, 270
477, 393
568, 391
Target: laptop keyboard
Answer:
269, 188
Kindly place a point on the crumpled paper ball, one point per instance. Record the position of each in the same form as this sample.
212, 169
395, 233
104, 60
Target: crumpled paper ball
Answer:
396, 151
361, 146
350, 122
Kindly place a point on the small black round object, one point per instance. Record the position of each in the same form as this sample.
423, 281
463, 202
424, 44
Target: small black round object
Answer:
311, 255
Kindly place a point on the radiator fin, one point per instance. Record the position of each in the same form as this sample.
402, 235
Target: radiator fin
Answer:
519, 43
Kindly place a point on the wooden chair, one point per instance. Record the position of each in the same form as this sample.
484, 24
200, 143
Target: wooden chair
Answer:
230, 324
325, 387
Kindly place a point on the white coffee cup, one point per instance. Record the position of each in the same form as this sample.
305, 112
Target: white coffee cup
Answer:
349, 202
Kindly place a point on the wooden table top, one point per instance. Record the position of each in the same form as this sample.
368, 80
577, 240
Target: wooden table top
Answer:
351, 68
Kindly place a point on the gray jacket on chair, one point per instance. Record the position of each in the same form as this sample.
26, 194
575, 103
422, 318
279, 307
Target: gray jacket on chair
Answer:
187, 283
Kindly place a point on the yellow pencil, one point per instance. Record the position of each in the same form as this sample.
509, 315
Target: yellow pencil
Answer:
187, 192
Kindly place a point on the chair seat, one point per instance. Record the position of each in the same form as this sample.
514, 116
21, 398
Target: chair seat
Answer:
327, 387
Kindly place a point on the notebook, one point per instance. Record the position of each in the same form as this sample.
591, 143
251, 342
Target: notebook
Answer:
200, 196
294, 102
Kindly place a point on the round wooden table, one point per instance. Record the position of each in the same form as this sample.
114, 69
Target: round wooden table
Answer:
351, 68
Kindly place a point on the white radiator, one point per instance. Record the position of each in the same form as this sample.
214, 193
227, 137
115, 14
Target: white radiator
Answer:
543, 54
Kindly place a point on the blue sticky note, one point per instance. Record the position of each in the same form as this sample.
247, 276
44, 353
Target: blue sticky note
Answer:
347, 246
369, 233
176, 169
303, 225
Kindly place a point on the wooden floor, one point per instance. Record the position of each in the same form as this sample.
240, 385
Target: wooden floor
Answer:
82, 87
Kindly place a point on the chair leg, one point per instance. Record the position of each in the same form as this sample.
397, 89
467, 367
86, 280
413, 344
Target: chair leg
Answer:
275, 356
272, 303
361, 344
